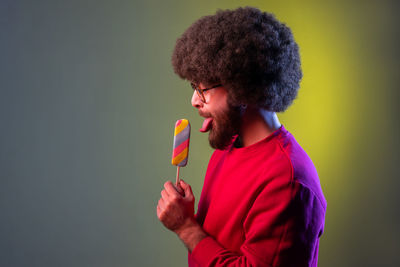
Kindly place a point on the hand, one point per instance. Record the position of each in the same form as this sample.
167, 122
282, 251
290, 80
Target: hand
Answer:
175, 208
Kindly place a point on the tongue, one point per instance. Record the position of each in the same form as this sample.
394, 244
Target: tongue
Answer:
206, 125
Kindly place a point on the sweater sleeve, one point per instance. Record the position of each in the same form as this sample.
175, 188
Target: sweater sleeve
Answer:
281, 228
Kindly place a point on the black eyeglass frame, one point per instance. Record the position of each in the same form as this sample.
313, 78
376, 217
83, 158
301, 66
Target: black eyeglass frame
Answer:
200, 91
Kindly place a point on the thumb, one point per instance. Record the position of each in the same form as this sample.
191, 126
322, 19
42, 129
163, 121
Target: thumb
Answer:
187, 188
179, 189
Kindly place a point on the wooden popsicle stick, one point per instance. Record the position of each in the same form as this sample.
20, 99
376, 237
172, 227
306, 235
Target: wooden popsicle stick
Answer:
177, 176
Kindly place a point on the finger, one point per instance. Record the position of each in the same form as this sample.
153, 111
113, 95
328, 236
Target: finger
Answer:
158, 211
183, 184
180, 190
161, 204
164, 194
171, 189
187, 188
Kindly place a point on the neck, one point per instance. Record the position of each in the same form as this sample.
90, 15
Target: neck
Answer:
257, 124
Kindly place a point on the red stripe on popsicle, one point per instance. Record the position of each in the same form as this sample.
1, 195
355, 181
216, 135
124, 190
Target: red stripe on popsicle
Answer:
180, 148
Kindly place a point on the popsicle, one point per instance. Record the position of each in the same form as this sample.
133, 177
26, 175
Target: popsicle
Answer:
180, 151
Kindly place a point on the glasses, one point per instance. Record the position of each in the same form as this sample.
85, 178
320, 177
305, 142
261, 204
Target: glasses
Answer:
200, 92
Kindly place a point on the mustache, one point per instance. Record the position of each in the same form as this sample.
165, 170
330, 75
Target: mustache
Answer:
204, 114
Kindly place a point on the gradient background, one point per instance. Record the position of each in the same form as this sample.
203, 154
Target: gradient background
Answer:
88, 102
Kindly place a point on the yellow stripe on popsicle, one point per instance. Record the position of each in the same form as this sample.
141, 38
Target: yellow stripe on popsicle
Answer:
181, 156
181, 126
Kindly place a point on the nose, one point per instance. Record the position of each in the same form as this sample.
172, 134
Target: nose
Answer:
196, 101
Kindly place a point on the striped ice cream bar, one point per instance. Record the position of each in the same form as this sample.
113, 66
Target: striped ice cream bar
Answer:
180, 151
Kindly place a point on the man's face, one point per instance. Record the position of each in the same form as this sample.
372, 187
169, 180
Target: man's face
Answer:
221, 119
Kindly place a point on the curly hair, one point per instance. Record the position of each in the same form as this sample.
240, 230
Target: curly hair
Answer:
250, 52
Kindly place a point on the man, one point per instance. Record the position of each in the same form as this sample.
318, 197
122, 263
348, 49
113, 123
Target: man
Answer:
261, 203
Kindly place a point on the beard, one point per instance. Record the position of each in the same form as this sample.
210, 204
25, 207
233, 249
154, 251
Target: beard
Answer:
225, 125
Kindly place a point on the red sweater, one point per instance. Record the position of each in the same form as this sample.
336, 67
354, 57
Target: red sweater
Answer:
261, 205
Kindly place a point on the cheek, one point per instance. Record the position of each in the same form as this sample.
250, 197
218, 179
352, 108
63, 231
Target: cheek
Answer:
219, 108
217, 103
219, 98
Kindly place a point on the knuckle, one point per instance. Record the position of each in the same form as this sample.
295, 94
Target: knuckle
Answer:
167, 207
174, 198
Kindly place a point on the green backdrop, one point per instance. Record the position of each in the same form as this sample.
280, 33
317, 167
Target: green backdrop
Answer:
88, 102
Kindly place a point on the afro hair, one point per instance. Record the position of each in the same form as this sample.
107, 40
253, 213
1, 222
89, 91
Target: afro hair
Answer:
249, 52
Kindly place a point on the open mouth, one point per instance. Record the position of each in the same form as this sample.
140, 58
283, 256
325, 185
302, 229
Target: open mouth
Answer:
207, 125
